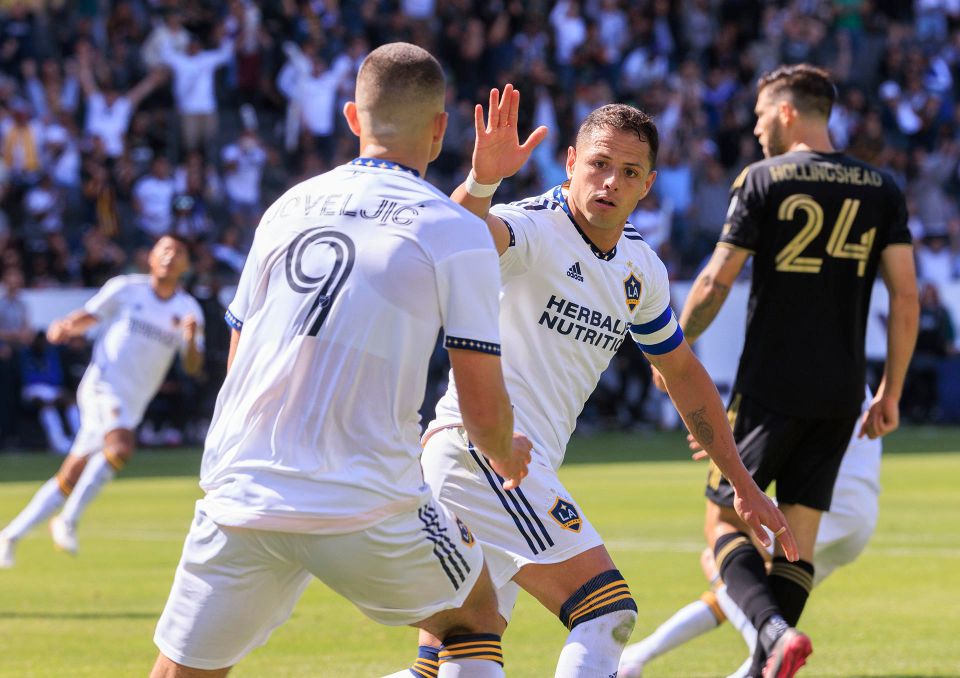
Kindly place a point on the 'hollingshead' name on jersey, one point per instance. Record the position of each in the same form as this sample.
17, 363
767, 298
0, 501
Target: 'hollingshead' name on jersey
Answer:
565, 308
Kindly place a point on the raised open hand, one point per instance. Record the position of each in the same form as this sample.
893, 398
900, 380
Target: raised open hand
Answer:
497, 152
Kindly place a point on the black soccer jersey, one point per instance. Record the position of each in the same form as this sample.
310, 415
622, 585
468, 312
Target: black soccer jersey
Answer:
816, 224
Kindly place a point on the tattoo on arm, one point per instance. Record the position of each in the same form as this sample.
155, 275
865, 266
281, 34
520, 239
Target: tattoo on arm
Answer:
700, 427
705, 309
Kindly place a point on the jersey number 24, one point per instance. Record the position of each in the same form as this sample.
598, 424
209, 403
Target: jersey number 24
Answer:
789, 259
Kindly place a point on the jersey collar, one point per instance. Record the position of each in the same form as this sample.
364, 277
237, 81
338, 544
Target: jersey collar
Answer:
384, 164
597, 252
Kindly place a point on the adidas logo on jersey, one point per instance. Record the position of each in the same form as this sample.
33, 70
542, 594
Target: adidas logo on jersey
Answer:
575, 272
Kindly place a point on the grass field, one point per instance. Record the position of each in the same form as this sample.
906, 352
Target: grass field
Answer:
895, 612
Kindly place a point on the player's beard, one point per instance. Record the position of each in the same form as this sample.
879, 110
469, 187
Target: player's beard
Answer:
775, 143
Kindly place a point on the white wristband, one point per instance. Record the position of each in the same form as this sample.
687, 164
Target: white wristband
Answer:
478, 190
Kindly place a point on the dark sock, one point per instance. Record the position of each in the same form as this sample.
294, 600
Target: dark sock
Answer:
427, 664
742, 570
791, 584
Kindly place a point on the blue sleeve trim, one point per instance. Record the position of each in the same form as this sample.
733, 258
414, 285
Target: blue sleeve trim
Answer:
664, 346
513, 238
233, 321
654, 325
472, 345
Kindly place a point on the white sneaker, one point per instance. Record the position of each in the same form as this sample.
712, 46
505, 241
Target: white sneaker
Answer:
64, 535
6, 553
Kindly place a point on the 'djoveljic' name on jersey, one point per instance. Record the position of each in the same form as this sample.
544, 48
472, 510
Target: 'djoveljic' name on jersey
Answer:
149, 331
344, 205
825, 171
584, 324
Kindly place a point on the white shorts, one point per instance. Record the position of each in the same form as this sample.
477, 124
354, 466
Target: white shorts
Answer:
235, 585
847, 527
102, 410
539, 522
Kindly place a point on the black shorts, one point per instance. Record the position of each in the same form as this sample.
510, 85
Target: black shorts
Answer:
801, 454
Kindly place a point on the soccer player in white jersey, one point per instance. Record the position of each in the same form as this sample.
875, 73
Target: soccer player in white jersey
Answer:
311, 466
844, 532
145, 321
577, 279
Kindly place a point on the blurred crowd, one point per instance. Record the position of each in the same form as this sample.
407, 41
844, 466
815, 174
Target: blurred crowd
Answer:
121, 120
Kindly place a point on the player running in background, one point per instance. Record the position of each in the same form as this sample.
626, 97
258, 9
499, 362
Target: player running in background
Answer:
577, 280
146, 320
819, 225
843, 534
312, 463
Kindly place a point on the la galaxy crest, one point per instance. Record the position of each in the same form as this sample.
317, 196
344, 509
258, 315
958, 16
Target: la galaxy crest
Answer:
465, 534
566, 515
631, 290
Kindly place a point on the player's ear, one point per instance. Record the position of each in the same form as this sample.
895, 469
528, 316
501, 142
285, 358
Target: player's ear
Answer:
786, 112
648, 184
353, 118
571, 159
440, 126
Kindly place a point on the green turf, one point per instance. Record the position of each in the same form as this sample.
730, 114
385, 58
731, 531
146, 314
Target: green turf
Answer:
896, 612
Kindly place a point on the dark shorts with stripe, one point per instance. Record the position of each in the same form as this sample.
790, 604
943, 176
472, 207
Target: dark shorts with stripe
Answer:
802, 455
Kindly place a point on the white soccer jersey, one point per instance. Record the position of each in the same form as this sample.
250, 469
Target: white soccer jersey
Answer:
566, 308
351, 275
140, 334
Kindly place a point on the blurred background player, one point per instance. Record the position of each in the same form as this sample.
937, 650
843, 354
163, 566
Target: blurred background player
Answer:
844, 533
312, 464
819, 225
146, 321
576, 280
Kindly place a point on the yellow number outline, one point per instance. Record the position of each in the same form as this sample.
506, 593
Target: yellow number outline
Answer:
789, 258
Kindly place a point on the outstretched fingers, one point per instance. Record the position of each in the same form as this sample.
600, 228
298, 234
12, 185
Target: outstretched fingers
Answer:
493, 114
534, 140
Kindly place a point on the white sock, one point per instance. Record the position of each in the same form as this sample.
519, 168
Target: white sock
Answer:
406, 673
97, 473
470, 668
593, 647
737, 618
43, 505
686, 624
53, 427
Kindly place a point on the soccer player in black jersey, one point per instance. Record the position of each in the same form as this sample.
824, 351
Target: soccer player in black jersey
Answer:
819, 225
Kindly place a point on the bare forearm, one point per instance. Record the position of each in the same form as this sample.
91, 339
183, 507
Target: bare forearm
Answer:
703, 304
696, 399
902, 325
77, 323
491, 431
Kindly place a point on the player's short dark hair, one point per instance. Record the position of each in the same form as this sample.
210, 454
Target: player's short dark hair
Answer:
399, 72
626, 119
173, 235
811, 90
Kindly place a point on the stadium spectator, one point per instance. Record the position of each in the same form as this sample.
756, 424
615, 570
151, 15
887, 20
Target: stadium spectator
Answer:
935, 342
194, 88
153, 199
243, 163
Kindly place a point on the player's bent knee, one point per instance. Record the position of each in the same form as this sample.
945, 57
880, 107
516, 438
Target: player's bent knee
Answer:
606, 594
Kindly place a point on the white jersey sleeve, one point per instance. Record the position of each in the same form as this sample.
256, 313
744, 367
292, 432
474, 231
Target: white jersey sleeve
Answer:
526, 238
470, 320
109, 300
246, 290
655, 329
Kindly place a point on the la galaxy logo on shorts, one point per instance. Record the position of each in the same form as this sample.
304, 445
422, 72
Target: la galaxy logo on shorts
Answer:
465, 534
631, 288
566, 515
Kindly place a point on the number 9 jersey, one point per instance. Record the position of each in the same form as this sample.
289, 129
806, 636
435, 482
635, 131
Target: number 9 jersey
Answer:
351, 275
816, 224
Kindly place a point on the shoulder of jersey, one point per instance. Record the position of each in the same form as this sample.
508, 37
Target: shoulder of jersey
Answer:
544, 201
